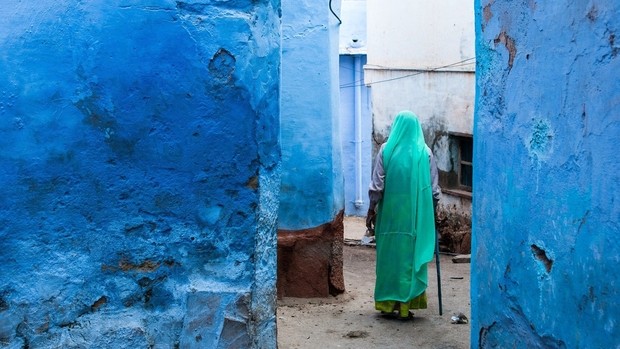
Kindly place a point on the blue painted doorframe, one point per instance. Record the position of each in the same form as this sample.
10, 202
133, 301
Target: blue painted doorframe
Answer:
355, 133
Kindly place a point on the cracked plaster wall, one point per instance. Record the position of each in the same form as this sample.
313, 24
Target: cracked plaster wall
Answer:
139, 172
547, 177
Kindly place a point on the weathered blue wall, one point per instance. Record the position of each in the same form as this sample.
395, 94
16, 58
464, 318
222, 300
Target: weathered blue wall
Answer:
312, 190
348, 84
547, 176
138, 167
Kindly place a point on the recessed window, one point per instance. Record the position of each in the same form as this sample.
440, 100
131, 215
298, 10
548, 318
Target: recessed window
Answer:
465, 164
460, 177
457, 176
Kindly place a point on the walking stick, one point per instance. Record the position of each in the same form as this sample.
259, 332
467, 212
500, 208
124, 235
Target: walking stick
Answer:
438, 271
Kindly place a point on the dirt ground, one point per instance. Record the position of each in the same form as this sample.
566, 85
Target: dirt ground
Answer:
350, 321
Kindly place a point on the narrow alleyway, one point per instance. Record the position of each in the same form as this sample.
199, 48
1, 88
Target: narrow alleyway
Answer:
350, 321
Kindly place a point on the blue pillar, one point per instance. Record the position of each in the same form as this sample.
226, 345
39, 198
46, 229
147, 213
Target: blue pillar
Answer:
312, 199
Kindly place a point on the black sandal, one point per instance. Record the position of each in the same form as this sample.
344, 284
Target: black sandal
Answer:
405, 318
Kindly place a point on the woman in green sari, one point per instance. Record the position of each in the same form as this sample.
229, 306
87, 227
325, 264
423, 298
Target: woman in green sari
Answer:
402, 191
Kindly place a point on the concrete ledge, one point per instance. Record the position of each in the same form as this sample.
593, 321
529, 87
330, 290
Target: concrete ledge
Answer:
462, 258
457, 192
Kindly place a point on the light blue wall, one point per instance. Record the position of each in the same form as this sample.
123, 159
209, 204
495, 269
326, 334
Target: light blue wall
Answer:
138, 167
547, 175
348, 84
312, 190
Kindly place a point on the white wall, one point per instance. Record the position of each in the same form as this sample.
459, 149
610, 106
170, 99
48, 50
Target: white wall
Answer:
353, 28
444, 97
415, 34
444, 102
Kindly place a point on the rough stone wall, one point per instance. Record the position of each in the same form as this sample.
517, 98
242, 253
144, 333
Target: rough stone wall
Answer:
139, 173
547, 176
312, 189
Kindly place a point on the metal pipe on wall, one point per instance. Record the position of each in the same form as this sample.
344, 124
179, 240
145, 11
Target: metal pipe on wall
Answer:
358, 132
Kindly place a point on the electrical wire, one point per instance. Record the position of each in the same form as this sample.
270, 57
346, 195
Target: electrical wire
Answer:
462, 63
334, 13
345, 67
449, 65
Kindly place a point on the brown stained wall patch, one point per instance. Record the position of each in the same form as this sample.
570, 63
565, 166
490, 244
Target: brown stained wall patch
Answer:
509, 42
98, 303
252, 183
146, 266
541, 255
487, 14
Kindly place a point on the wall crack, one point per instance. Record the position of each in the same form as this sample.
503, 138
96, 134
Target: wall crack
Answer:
541, 255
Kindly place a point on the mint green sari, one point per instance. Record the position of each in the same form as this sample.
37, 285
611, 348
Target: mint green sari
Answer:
405, 227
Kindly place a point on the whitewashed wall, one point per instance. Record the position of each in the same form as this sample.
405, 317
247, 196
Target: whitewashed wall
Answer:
416, 34
353, 28
421, 57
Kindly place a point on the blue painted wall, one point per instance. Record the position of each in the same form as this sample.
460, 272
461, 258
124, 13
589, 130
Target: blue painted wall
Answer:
547, 179
312, 189
138, 167
348, 84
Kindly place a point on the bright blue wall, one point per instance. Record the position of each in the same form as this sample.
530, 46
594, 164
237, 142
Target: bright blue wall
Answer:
348, 84
311, 192
138, 157
547, 176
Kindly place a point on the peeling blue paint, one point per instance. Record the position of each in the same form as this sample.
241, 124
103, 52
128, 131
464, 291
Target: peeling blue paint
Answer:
547, 188
139, 170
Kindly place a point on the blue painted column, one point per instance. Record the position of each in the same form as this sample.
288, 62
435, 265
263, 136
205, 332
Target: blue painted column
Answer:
547, 176
139, 171
311, 200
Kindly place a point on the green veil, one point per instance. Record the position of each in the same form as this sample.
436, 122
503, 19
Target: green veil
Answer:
405, 227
